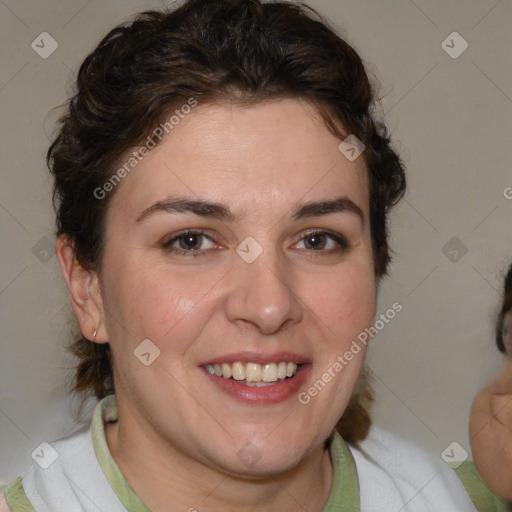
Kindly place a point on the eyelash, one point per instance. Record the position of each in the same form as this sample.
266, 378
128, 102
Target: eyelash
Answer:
339, 239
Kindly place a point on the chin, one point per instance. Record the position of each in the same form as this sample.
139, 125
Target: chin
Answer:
257, 460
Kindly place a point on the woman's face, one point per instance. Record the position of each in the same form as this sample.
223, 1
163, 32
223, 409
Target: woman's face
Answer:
275, 277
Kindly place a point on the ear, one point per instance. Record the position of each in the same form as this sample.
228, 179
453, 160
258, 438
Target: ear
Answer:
84, 290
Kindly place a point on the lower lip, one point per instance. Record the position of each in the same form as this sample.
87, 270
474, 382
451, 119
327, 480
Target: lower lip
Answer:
265, 395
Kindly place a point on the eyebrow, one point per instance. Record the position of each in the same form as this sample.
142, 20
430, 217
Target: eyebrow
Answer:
222, 212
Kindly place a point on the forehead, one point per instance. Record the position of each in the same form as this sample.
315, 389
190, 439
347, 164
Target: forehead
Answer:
260, 157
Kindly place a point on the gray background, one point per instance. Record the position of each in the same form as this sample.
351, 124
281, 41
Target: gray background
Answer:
451, 119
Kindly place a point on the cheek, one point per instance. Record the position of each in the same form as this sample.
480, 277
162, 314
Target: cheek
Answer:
152, 301
345, 302
161, 304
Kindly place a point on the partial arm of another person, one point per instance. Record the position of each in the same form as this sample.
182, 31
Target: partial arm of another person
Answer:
491, 433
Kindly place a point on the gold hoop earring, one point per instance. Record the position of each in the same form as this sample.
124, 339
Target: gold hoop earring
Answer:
95, 332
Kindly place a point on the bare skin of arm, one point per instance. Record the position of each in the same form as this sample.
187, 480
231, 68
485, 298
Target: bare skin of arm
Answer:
490, 432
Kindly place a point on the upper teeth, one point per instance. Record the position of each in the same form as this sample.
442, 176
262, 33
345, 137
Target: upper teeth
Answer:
253, 372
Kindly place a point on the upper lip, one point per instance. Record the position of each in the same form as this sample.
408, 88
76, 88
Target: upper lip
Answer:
258, 357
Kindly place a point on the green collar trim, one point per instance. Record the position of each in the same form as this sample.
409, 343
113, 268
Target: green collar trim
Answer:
106, 411
344, 496
16, 498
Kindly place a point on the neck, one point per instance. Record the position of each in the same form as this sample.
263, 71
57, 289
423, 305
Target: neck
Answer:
160, 474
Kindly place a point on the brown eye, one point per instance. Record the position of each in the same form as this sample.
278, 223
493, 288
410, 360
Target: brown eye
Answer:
324, 242
189, 243
315, 241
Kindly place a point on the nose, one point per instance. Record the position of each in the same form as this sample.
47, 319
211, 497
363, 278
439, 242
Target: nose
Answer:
263, 295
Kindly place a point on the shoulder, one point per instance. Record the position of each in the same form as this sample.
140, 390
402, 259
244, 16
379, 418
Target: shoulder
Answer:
45, 475
404, 474
4, 507
483, 498
14, 499
18, 496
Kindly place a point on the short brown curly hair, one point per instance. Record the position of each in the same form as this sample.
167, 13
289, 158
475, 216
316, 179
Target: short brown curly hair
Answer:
506, 309
242, 50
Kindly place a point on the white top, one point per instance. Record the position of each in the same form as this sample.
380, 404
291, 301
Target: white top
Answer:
403, 477
393, 475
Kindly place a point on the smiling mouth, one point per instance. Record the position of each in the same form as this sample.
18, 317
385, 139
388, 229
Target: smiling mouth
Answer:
255, 374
